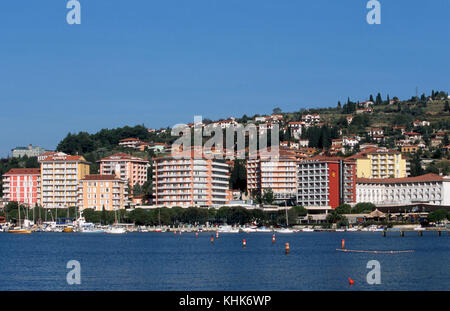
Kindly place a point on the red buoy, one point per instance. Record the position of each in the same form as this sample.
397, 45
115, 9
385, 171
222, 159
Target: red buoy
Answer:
350, 281
273, 239
212, 239
196, 234
217, 234
343, 244
244, 243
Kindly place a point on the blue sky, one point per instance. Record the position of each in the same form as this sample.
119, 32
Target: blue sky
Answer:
160, 63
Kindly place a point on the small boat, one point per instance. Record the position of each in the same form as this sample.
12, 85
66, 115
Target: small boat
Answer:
19, 230
284, 230
249, 229
263, 229
307, 230
227, 229
115, 230
68, 229
339, 230
352, 229
419, 228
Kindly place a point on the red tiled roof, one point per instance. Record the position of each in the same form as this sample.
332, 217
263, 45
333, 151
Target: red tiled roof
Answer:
23, 171
422, 178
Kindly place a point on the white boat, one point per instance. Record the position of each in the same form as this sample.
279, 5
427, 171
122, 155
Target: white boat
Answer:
115, 230
307, 230
249, 229
227, 229
340, 230
284, 230
263, 229
374, 228
352, 229
419, 228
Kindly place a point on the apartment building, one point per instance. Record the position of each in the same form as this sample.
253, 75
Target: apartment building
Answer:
22, 185
277, 174
190, 181
60, 175
428, 188
325, 182
125, 166
102, 191
379, 163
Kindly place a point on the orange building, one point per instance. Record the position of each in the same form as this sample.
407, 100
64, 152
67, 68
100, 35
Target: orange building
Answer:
131, 168
98, 191
279, 175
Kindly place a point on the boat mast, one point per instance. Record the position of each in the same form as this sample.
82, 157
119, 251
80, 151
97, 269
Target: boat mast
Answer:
287, 219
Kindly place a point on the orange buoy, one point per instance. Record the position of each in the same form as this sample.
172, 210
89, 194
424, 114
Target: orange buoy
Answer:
287, 248
244, 243
343, 244
212, 239
273, 239
350, 281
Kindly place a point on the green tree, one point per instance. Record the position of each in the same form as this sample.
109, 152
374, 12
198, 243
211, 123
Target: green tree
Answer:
268, 196
438, 215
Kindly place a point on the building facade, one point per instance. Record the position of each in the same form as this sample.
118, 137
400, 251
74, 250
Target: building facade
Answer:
380, 163
29, 151
102, 191
190, 181
326, 182
22, 185
429, 188
60, 176
278, 174
131, 168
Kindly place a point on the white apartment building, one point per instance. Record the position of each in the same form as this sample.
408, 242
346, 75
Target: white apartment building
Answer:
190, 182
429, 188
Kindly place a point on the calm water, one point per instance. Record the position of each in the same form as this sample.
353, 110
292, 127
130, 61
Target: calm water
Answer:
162, 261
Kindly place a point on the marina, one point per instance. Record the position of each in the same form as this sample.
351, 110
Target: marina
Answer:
189, 261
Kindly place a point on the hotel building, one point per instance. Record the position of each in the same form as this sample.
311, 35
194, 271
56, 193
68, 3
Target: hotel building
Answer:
22, 185
278, 174
60, 175
326, 182
379, 163
190, 181
428, 188
128, 167
98, 191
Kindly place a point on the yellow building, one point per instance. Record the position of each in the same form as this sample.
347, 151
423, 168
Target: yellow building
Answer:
60, 174
380, 163
98, 191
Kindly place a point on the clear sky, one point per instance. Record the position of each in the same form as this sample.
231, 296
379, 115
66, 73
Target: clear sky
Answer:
161, 62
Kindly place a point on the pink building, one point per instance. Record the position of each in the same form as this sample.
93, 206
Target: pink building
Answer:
22, 185
125, 166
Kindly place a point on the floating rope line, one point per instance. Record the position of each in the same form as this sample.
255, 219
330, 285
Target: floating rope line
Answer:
373, 252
